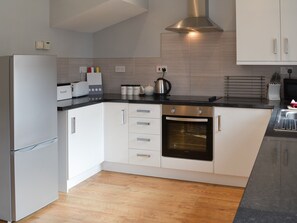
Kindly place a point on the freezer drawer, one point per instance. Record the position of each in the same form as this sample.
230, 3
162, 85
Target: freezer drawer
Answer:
35, 178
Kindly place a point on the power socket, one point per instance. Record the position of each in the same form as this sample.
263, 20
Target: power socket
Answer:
284, 70
159, 68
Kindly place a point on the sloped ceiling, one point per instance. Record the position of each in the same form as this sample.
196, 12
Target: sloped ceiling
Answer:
93, 15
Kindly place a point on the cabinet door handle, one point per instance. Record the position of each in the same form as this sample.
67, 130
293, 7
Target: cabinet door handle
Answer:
73, 125
123, 117
144, 155
275, 50
143, 111
143, 139
143, 123
286, 46
219, 123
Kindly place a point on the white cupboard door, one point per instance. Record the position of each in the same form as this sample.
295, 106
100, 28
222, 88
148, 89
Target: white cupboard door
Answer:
116, 132
84, 139
258, 30
237, 139
288, 30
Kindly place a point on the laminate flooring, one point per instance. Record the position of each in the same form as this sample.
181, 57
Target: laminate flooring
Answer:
110, 197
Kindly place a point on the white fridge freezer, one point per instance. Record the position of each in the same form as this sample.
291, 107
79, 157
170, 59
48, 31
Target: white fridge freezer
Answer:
28, 131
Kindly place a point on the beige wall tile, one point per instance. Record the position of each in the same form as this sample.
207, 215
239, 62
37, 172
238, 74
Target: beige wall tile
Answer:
196, 64
205, 54
146, 66
68, 69
175, 54
74, 64
207, 86
180, 85
62, 70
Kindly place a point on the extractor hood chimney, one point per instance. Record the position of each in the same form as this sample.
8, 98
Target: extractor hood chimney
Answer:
197, 20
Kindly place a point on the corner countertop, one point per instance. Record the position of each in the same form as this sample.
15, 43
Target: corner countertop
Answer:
173, 99
271, 193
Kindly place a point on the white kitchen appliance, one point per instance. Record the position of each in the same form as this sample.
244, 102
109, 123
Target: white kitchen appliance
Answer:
80, 89
28, 145
95, 83
64, 92
274, 92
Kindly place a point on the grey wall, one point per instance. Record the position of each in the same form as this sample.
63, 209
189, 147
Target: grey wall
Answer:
24, 21
140, 36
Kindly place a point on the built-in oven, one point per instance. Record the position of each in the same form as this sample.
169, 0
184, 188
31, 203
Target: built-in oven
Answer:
187, 132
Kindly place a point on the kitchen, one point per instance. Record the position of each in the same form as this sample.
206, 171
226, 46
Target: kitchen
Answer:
196, 64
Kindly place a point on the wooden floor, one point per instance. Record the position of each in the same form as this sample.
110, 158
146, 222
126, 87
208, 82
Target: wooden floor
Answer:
122, 198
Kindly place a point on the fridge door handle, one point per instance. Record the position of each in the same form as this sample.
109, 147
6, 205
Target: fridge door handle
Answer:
36, 147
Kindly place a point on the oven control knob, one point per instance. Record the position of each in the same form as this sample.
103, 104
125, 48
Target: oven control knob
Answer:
199, 112
173, 110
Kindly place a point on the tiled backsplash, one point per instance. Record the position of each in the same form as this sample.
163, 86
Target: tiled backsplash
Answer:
196, 65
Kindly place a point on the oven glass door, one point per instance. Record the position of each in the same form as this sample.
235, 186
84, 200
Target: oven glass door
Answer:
187, 137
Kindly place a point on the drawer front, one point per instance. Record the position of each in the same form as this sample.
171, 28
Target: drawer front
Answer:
145, 141
144, 125
145, 110
144, 157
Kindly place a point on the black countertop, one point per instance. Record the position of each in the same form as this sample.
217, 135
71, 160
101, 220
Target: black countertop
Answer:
271, 193
173, 99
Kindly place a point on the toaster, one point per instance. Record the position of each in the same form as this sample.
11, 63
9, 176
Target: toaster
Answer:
64, 92
80, 89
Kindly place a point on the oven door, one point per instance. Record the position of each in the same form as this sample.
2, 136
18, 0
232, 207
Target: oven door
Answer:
187, 137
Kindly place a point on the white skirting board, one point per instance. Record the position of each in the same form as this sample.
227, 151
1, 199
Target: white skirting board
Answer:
176, 174
66, 186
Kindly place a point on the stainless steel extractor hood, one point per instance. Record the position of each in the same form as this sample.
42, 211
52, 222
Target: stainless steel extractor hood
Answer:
197, 20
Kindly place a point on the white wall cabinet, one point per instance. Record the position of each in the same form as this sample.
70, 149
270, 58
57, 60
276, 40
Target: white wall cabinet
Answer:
266, 32
116, 132
80, 144
238, 134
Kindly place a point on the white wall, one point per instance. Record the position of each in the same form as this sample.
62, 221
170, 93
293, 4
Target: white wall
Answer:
140, 36
24, 21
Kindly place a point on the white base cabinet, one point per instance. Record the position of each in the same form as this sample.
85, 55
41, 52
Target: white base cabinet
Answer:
116, 132
128, 138
238, 135
80, 144
145, 134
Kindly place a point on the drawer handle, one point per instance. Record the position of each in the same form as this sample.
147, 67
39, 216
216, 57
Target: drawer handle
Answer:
143, 123
143, 111
144, 155
143, 139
